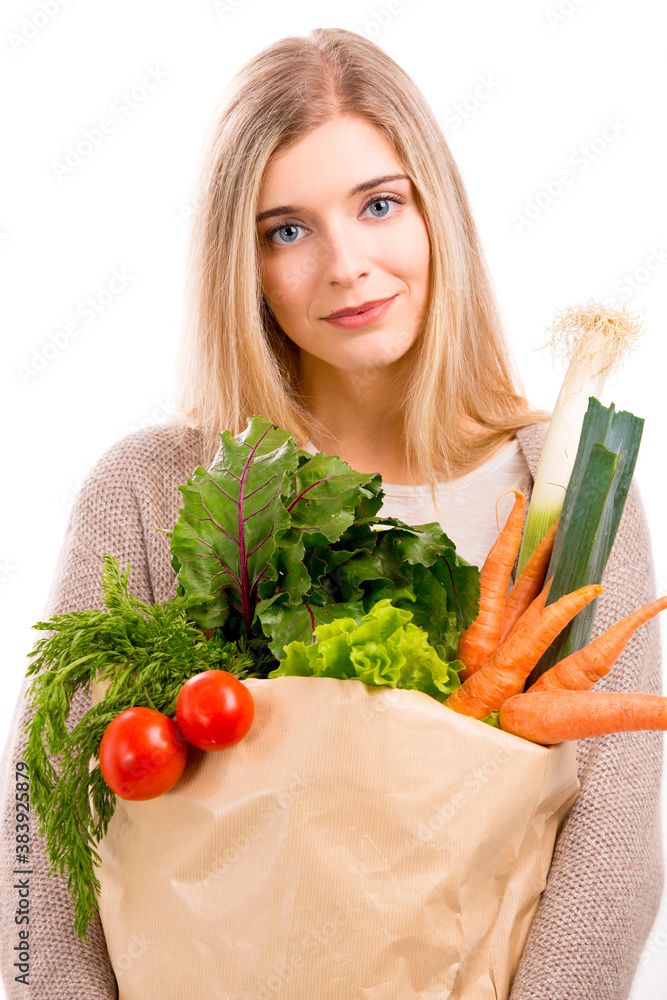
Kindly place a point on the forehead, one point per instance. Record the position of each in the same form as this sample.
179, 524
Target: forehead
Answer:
339, 153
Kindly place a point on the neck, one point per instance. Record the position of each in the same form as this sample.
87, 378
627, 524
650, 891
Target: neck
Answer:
358, 410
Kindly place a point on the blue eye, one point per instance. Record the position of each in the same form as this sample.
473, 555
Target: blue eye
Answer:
287, 225
291, 228
379, 201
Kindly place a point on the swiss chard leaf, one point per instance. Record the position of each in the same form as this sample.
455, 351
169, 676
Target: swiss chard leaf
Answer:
244, 523
324, 495
226, 532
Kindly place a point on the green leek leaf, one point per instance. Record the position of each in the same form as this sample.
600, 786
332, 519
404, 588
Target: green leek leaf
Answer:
592, 509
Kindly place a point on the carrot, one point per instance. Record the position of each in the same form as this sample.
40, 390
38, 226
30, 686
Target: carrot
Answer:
481, 638
528, 583
548, 717
536, 605
581, 670
505, 672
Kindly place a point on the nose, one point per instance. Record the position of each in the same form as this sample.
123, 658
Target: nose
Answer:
344, 259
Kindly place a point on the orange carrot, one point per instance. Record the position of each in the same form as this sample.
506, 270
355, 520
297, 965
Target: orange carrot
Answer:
533, 609
548, 717
528, 583
505, 672
481, 638
580, 670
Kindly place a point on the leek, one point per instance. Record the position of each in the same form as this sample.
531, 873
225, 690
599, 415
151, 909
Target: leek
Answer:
592, 509
596, 339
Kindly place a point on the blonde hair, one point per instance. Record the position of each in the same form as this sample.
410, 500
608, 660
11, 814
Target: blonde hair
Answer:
461, 398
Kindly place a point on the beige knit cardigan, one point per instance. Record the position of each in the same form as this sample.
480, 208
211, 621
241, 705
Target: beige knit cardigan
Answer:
606, 879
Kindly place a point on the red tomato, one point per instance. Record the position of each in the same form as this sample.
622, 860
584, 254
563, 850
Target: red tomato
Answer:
142, 754
214, 710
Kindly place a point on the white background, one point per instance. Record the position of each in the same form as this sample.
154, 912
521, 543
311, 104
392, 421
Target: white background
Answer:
536, 83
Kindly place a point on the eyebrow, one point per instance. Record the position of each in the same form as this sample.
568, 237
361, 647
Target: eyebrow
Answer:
364, 186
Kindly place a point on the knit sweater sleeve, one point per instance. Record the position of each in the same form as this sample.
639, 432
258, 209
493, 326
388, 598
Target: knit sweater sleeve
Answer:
106, 516
606, 878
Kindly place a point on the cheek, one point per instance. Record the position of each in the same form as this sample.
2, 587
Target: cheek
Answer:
285, 283
273, 284
410, 252
420, 249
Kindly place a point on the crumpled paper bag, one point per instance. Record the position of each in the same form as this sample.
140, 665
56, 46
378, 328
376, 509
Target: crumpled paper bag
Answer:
358, 844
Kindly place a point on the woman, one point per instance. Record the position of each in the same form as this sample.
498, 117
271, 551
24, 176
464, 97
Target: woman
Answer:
327, 186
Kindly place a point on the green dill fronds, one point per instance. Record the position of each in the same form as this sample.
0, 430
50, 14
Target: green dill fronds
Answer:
146, 652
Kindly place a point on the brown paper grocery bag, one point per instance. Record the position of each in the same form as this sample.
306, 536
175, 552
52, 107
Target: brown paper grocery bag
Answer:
358, 843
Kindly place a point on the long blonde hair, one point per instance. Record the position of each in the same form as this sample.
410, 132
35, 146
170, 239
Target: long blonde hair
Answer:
462, 396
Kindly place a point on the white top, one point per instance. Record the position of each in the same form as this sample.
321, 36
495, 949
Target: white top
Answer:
466, 507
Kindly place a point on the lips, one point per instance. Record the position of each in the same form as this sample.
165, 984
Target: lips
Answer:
354, 310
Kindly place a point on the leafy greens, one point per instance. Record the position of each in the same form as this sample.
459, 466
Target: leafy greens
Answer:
276, 541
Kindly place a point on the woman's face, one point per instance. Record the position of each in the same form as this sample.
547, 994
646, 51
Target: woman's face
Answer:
338, 233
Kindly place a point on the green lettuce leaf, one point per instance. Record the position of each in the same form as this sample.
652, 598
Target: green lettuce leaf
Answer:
384, 649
